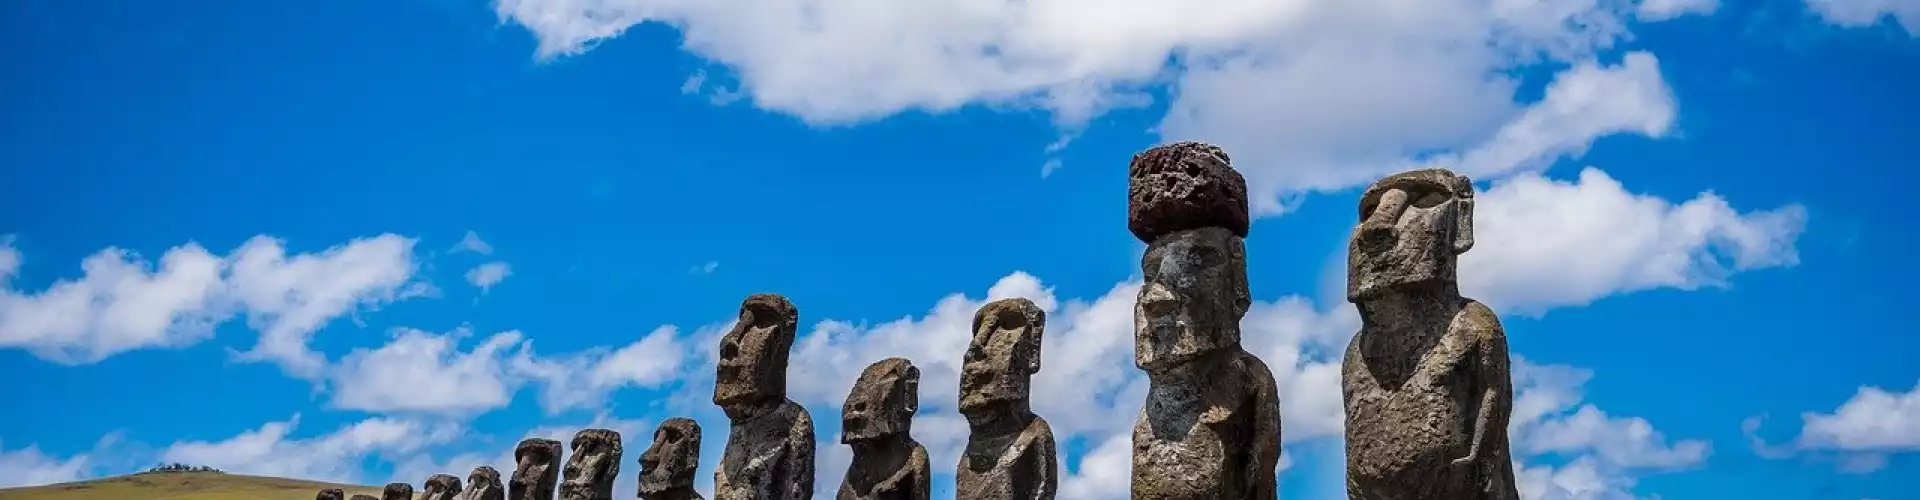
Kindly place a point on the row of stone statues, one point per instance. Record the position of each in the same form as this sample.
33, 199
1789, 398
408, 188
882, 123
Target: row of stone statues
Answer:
1426, 383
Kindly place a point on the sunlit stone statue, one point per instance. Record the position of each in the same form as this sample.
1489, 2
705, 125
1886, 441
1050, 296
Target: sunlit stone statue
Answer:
440, 487
484, 484
877, 421
1010, 451
769, 452
595, 464
397, 491
667, 467
536, 470
1426, 381
331, 494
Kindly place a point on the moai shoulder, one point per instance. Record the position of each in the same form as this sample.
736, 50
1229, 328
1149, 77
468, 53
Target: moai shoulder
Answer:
667, 467
331, 494
1010, 451
877, 422
397, 491
769, 450
440, 487
1210, 427
484, 484
536, 470
595, 464
1424, 353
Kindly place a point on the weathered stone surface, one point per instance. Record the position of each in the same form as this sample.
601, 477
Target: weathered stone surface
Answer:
364, 497
1181, 186
331, 494
484, 484
440, 487
1010, 451
1210, 427
769, 452
1426, 381
877, 422
397, 491
595, 464
536, 470
667, 467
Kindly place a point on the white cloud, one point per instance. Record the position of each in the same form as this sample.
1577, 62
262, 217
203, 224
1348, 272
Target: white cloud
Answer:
288, 298
30, 467
337, 456
486, 275
1858, 13
1604, 455
1873, 420
1660, 10
421, 371
120, 303
585, 379
471, 242
706, 268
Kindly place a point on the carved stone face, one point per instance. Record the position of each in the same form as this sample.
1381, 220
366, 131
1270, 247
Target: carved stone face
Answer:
331, 494
753, 356
1004, 354
590, 473
536, 470
397, 491
882, 402
440, 487
1413, 227
484, 484
1194, 295
673, 458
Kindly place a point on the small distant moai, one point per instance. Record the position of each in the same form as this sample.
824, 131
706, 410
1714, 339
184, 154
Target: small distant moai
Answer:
536, 470
331, 494
1210, 427
364, 497
877, 421
484, 484
397, 491
667, 467
1426, 382
594, 466
440, 487
769, 453
1010, 450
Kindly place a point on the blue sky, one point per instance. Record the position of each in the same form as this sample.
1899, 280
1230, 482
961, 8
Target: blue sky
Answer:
372, 241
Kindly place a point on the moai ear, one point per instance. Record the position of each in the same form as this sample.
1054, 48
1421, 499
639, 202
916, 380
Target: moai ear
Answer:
1037, 330
913, 390
1462, 215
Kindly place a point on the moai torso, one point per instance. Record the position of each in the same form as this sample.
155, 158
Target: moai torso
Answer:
877, 422
331, 494
667, 467
536, 470
1426, 384
397, 491
595, 464
769, 451
484, 484
440, 487
1010, 451
1210, 427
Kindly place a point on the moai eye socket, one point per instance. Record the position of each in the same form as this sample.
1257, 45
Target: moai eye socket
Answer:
1428, 198
1009, 319
673, 435
859, 406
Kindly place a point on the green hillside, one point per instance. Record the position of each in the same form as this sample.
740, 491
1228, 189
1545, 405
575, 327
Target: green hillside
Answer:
182, 486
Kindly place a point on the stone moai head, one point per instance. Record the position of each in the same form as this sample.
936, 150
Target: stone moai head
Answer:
753, 355
440, 487
1190, 207
882, 402
1413, 227
397, 491
1004, 354
484, 484
595, 464
673, 458
331, 494
364, 497
536, 470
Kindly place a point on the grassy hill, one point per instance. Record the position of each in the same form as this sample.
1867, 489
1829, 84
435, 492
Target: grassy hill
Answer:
183, 486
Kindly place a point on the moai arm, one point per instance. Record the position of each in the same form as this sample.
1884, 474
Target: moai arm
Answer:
1491, 374
1265, 448
798, 477
1044, 461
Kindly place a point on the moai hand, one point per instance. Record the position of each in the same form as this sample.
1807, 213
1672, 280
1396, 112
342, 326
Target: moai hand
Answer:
595, 464
1010, 451
877, 421
440, 487
536, 470
1426, 382
667, 467
769, 451
331, 494
397, 491
1210, 427
484, 484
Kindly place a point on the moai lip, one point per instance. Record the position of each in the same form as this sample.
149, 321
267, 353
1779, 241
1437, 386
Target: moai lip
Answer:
331, 494
595, 464
1181, 186
1415, 431
877, 422
440, 487
484, 484
769, 450
397, 491
536, 471
1010, 451
667, 467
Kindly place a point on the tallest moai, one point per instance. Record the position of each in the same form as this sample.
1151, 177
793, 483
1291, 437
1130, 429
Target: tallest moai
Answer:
1210, 428
769, 452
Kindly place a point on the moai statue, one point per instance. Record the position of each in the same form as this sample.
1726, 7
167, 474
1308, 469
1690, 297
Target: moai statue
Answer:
536, 470
1210, 427
769, 453
484, 484
877, 421
397, 491
440, 487
364, 497
1010, 451
594, 466
667, 467
331, 494
1426, 381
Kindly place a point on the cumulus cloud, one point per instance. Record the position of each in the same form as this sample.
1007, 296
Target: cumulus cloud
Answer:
1859, 13
271, 450
471, 242
422, 371
584, 379
30, 467
1603, 455
1860, 434
288, 298
486, 275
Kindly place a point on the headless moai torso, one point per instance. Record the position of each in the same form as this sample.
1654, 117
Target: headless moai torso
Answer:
877, 422
769, 451
1010, 451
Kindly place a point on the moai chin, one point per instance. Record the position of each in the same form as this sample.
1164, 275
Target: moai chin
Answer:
536, 470
331, 494
484, 484
877, 422
1210, 427
397, 491
769, 451
440, 487
1426, 382
595, 464
667, 467
1010, 451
